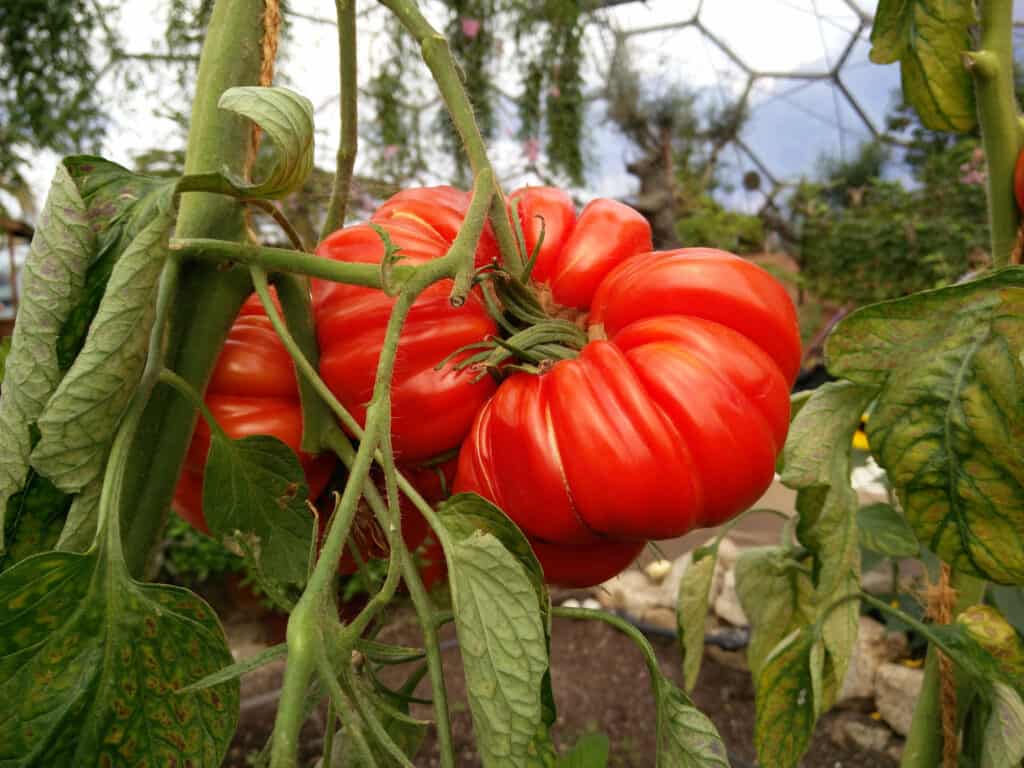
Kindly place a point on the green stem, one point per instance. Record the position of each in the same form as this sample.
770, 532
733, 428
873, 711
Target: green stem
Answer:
280, 259
270, 208
992, 69
349, 117
293, 292
108, 529
171, 379
208, 297
327, 754
439, 59
430, 619
924, 742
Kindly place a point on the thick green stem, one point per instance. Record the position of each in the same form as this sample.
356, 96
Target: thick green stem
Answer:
293, 292
924, 742
349, 117
208, 297
992, 69
280, 259
439, 59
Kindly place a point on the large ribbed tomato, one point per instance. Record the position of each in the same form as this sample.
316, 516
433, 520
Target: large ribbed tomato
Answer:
432, 408
253, 391
669, 419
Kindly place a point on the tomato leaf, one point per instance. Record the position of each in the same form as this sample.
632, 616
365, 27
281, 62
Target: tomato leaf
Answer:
949, 420
927, 38
1003, 745
90, 661
35, 517
686, 737
692, 611
1010, 602
777, 596
54, 276
5, 350
786, 709
885, 531
254, 489
120, 204
287, 118
80, 523
591, 751
818, 466
502, 617
80, 419
239, 668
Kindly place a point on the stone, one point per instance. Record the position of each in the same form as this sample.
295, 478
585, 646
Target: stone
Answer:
590, 604
849, 731
670, 584
727, 604
572, 602
629, 588
874, 647
660, 617
896, 690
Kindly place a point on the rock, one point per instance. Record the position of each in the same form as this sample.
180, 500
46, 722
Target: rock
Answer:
591, 604
728, 554
630, 587
660, 617
670, 584
847, 731
896, 691
727, 604
895, 750
658, 570
875, 646
732, 659
572, 602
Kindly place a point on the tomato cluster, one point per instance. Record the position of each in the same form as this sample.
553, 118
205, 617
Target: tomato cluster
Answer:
668, 419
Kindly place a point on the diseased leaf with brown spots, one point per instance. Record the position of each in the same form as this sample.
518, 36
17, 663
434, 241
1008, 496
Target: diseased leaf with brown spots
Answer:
948, 424
89, 664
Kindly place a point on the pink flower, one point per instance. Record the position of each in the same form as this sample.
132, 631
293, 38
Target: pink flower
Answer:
390, 151
554, 91
470, 27
531, 148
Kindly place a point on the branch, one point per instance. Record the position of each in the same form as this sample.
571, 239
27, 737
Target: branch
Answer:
438, 57
992, 69
348, 117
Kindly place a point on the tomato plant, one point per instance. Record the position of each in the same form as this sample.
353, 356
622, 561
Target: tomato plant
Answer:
641, 394
252, 391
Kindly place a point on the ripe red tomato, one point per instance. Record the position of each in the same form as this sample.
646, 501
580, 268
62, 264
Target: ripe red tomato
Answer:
431, 409
253, 391
670, 419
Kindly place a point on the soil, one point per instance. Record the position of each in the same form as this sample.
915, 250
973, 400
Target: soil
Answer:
600, 683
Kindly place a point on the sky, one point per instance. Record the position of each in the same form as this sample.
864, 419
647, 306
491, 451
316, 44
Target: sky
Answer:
792, 122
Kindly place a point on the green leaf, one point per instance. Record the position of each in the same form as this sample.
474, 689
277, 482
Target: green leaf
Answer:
287, 118
35, 516
82, 518
1010, 602
686, 737
387, 654
786, 709
1004, 733
54, 276
89, 664
254, 489
885, 531
949, 420
120, 204
239, 668
692, 611
777, 596
996, 636
591, 751
927, 38
502, 617
80, 420
5, 350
